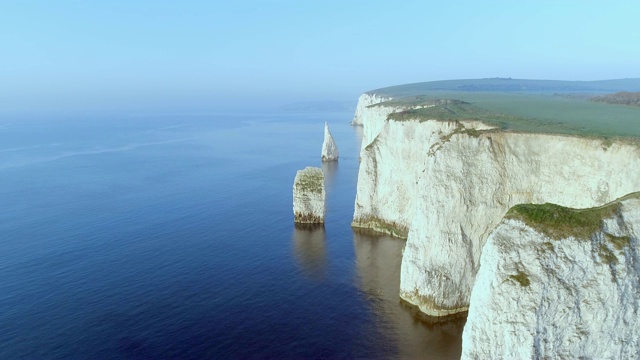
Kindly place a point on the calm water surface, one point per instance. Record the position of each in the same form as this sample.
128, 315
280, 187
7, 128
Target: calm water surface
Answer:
172, 237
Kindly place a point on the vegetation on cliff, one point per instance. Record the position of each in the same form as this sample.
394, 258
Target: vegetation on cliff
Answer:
520, 105
453, 110
559, 222
310, 180
501, 84
620, 98
523, 113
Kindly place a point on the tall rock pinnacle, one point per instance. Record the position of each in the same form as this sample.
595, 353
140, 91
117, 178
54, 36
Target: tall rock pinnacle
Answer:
329, 147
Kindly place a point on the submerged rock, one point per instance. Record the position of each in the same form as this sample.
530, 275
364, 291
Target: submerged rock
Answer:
556, 282
329, 147
309, 196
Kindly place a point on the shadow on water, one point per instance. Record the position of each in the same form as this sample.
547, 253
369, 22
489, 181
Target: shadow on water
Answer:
378, 260
359, 133
309, 243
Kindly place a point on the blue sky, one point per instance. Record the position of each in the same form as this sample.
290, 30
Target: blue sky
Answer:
200, 55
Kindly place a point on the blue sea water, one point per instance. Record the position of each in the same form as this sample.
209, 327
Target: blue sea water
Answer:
172, 237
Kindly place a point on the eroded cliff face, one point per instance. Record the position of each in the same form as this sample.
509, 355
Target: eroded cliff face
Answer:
471, 182
390, 168
388, 175
372, 116
550, 291
446, 186
364, 101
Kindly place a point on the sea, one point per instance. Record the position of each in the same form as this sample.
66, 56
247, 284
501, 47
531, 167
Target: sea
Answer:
172, 237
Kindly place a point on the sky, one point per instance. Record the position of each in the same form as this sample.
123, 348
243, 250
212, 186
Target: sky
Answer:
181, 56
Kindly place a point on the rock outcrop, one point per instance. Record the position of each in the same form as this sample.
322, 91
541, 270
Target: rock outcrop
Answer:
364, 101
309, 196
445, 185
558, 283
329, 147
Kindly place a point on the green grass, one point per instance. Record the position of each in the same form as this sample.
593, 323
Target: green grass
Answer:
419, 100
622, 98
311, 180
511, 85
537, 113
454, 110
530, 106
559, 222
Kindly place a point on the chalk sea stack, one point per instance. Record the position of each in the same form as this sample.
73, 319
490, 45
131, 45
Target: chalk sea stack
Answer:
309, 196
329, 147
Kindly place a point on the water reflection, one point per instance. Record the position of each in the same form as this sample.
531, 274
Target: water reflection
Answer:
330, 169
310, 250
378, 260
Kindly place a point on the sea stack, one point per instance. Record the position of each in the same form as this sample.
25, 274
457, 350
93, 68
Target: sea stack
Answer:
329, 147
309, 195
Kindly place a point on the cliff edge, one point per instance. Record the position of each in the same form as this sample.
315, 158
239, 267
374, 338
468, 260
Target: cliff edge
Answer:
443, 174
556, 282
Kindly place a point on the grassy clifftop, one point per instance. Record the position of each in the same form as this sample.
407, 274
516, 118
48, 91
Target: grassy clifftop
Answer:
509, 85
310, 180
558, 222
530, 107
621, 98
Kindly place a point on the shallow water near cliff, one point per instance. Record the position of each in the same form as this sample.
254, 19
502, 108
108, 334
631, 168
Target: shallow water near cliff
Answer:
158, 237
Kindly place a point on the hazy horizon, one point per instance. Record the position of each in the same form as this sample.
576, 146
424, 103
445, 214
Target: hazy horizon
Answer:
71, 57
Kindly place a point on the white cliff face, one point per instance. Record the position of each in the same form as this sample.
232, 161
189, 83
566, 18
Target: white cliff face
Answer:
446, 188
309, 196
329, 147
372, 118
540, 296
388, 174
470, 184
390, 169
365, 100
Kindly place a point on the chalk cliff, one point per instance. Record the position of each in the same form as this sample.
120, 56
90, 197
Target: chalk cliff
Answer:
329, 147
364, 101
309, 196
558, 283
445, 185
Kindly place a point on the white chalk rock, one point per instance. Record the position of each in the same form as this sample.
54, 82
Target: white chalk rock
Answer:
550, 286
309, 196
329, 147
364, 101
445, 187
470, 183
371, 115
